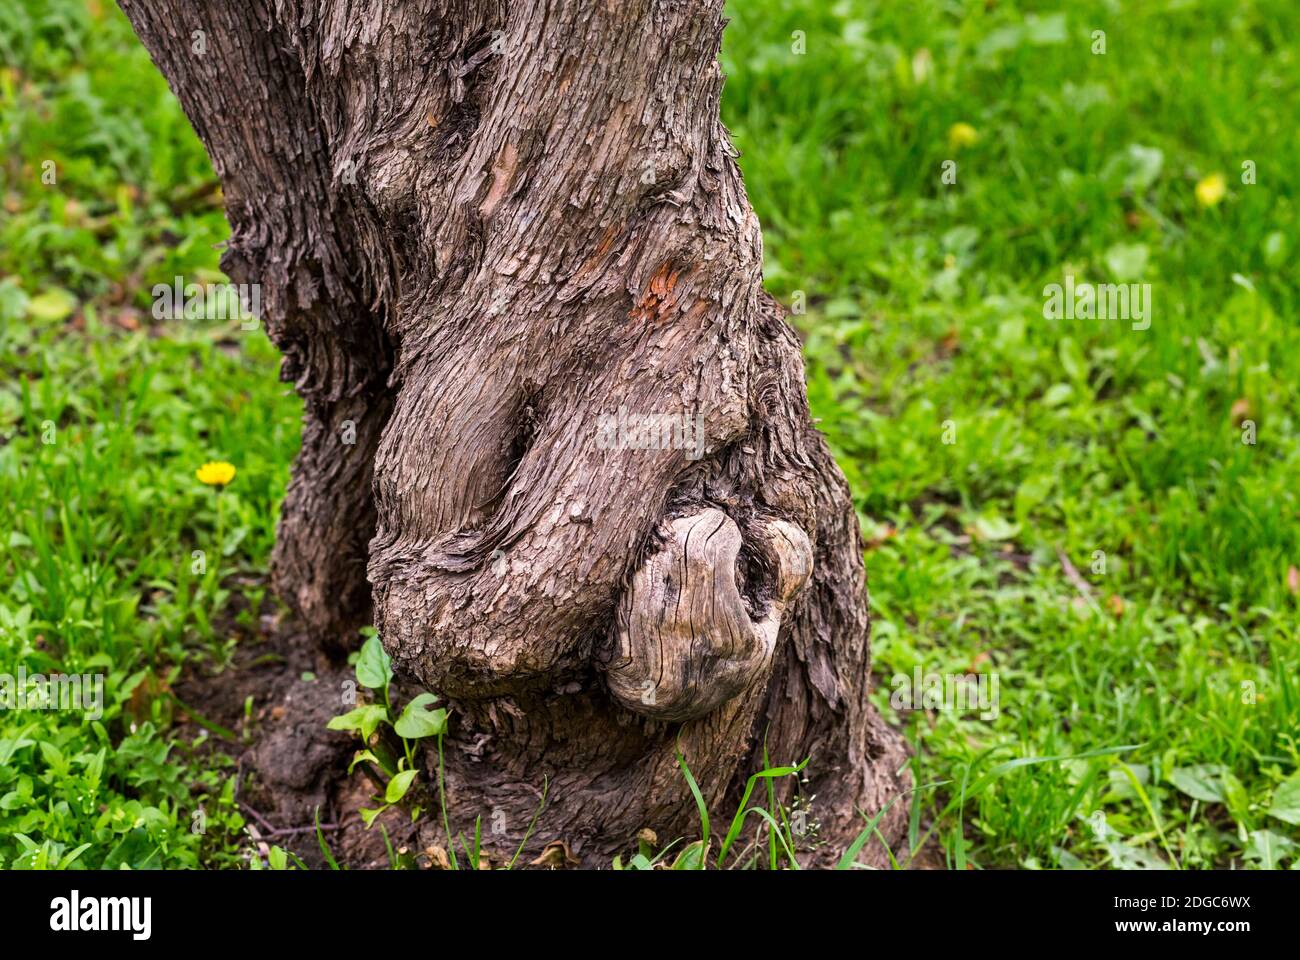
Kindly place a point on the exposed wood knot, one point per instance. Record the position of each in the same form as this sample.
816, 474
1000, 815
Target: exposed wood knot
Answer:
685, 642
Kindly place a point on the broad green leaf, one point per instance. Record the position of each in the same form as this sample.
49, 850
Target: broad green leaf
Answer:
1275, 248
1127, 262
1268, 848
416, 721
1124, 857
1071, 358
361, 756
1134, 169
70, 857
366, 719
54, 304
1236, 799
1047, 30
1057, 394
374, 666
398, 786
691, 858
54, 757
994, 527
1203, 781
1286, 801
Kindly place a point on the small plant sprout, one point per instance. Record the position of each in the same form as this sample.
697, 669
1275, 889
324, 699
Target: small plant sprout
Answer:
374, 670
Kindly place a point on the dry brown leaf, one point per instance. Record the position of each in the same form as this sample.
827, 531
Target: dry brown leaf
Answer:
438, 858
556, 854
883, 533
1240, 411
150, 688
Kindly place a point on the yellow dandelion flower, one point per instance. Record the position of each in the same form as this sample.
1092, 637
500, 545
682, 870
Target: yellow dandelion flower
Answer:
216, 473
1211, 190
962, 135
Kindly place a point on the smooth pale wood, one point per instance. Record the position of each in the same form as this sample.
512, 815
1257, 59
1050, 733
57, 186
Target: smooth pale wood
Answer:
686, 639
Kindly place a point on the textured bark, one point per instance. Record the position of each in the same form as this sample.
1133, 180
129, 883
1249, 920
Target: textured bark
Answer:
480, 227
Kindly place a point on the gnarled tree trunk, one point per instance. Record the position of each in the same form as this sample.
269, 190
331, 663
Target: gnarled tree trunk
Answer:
488, 236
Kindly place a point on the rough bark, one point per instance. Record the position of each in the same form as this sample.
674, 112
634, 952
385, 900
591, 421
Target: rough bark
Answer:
480, 227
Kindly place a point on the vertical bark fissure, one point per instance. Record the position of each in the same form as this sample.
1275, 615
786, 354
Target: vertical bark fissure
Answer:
244, 91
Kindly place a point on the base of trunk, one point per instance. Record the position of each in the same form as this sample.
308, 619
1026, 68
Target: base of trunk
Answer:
290, 766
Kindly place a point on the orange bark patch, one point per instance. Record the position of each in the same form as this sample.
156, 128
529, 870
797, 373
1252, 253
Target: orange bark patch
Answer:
658, 299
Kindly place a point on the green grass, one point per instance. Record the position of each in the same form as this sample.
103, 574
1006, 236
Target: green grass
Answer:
98, 558
924, 310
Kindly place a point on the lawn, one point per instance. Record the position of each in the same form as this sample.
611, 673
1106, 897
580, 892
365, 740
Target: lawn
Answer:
1100, 515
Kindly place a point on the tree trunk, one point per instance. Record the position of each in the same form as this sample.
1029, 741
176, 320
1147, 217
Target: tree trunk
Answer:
493, 237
